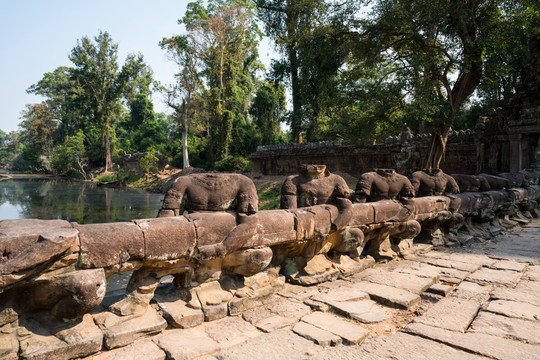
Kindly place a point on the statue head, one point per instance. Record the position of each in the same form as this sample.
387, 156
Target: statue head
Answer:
313, 171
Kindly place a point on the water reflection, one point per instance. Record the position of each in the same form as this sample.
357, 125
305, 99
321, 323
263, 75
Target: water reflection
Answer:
74, 201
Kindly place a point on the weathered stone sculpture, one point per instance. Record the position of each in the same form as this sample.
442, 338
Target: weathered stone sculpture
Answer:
431, 182
382, 184
471, 183
205, 192
314, 185
496, 182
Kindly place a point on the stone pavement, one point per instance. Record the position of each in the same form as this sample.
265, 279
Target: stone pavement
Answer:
476, 302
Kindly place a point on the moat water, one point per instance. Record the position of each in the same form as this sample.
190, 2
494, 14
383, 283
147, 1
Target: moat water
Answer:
81, 202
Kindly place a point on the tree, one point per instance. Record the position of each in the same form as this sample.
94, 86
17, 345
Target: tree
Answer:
224, 37
70, 156
38, 129
188, 83
267, 110
439, 48
96, 73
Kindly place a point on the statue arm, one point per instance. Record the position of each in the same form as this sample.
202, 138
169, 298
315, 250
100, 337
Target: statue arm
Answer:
172, 203
451, 185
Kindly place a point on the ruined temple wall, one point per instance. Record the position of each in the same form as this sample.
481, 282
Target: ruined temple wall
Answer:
404, 155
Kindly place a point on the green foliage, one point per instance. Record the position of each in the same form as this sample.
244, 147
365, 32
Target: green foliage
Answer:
233, 163
148, 163
70, 157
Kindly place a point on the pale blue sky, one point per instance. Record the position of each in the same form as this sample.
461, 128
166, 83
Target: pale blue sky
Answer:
36, 36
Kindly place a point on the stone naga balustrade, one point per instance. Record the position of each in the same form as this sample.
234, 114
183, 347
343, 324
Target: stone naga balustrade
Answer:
61, 267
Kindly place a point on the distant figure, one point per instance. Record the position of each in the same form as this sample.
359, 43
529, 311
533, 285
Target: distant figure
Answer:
382, 184
431, 182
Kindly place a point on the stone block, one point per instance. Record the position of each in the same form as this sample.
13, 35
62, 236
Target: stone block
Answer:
350, 333
168, 238
440, 289
509, 265
450, 313
45, 338
486, 345
412, 283
275, 227
123, 242
388, 295
186, 344
363, 214
504, 327
487, 276
273, 322
279, 344
230, 331
143, 349
124, 330
212, 227
518, 310
315, 334
519, 295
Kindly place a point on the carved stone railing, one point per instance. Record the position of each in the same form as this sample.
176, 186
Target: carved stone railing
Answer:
60, 268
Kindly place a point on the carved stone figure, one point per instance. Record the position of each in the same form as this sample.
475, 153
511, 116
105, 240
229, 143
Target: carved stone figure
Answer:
471, 183
216, 192
314, 185
431, 182
496, 182
516, 179
382, 184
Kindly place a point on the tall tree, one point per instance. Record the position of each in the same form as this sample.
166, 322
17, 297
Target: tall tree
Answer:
96, 73
439, 47
188, 84
267, 110
224, 37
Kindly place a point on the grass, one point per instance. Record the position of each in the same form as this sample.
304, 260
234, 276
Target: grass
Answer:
269, 194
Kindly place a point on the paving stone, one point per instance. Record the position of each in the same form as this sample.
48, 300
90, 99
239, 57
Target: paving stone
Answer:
520, 295
298, 292
292, 309
472, 291
487, 345
230, 331
388, 295
502, 326
279, 344
509, 265
462, 257
349, 332
450, 313
9, 345
123, 330
519, 310
348, 293
487, 276
458, 265
440, 289
144, 349
179, 315
46, 338
274, 322
315, 334
365, 311
254, 315
317, 305
532, 273
412, 283
399, 346
418, 268
528, 286
186, 344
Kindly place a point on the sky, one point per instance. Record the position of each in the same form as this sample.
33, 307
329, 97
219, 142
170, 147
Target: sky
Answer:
36, 37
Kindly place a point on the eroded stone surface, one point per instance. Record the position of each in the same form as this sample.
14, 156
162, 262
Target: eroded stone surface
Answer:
451, 313
412, 283
388, 295
505, 327
519, 310
186, 344
350, 333
482, 344
487, 276
316, 334
144, 349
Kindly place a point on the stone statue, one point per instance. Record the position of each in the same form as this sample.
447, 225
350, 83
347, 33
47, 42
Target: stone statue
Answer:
216, 192
471, 183
382, 184
314, 185
431, 182
496, 182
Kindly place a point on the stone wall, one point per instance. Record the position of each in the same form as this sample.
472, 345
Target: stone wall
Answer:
404, 153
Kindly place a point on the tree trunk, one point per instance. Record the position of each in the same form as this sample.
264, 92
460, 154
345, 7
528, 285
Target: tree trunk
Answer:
296, 116
437, 146
185, 154
108, 159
